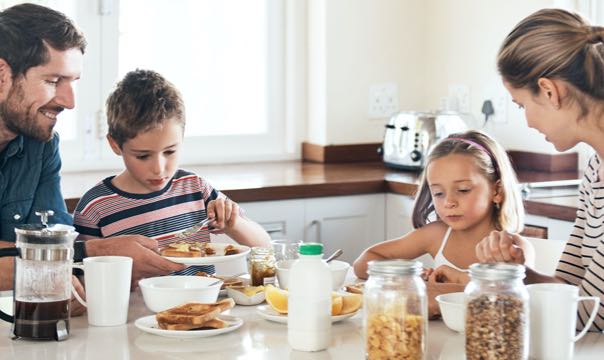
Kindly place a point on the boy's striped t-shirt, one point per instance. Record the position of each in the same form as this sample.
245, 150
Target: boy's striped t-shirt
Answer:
106, 211
582, 262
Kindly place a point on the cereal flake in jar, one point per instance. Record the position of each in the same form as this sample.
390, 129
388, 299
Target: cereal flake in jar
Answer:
395, 311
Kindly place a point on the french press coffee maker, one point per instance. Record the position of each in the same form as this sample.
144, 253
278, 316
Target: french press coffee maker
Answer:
42, 281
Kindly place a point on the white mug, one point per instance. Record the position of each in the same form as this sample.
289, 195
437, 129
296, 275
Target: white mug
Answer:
553, 319
107, 283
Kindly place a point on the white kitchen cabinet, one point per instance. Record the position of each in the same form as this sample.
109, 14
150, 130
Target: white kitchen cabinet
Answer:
350, 223
399, 211
556, 229
282, 219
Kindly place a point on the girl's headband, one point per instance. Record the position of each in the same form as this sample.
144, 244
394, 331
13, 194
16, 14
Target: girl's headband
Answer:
482, 148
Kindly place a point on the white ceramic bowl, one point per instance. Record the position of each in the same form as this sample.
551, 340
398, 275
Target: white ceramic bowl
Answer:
453, 310
241, 299
339, 269
164, 292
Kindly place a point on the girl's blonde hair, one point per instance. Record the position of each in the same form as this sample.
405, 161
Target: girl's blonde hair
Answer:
492, 161
556, 44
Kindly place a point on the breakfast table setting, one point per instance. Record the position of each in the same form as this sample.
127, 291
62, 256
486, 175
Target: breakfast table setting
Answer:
255, 338
185, 317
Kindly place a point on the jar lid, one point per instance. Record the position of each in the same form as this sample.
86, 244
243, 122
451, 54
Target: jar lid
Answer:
497, 271
395, 267
310, 249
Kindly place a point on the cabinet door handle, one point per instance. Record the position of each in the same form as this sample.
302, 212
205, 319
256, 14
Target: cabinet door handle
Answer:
317, 224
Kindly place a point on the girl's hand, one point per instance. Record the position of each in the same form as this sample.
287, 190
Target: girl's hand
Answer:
225, 213
426, 273
501, 246
446, 274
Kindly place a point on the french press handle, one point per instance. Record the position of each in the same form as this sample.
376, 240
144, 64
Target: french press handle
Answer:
9, 251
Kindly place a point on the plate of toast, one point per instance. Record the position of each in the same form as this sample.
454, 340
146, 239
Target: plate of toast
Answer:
191, 320
268, 313
203, 253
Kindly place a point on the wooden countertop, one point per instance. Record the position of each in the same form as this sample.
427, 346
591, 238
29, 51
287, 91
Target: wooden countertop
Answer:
294, 179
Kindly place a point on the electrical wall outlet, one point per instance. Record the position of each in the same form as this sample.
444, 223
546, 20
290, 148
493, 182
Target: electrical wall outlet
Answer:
383, 100
500, 104
460, 95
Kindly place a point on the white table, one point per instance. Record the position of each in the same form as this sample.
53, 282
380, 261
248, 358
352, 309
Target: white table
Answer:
256, 339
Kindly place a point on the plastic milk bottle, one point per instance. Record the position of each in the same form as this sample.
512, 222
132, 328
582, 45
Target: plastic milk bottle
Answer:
309, 300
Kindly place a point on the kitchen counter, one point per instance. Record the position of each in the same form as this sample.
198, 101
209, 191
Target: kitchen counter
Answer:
256, 339
295, 179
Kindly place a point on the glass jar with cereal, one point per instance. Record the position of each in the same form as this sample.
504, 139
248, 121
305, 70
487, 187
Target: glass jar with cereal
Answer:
395, 317
496, 312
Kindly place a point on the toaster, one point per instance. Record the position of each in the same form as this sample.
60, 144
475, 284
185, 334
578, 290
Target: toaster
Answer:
409, 137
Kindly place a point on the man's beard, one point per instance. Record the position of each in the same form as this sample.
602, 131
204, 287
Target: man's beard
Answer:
17, 118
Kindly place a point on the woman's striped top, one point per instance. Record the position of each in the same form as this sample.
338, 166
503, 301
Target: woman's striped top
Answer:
582, 262
106, 211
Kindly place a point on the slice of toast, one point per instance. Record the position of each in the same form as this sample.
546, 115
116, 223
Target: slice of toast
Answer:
195, 314
210, 324
182, 250
226, 280
355, 288
230, 250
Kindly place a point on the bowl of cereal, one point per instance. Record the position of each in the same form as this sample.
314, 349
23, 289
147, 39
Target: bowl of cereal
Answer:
453, 310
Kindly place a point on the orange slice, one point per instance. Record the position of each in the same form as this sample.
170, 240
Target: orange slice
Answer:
336, 305
276, 298
351, 303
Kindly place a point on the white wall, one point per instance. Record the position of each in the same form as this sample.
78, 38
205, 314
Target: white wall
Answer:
353, 44
423, 46
464, 38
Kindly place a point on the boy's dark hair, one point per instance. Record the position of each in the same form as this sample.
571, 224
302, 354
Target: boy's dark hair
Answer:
27, 29
142, 101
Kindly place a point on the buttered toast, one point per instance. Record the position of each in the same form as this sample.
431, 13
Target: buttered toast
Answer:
182, 250
194, 316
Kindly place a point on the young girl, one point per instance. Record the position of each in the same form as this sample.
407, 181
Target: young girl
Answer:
467, 191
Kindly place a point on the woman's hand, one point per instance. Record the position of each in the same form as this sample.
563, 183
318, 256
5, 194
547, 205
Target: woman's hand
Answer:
225, 212
446, 274
501, 246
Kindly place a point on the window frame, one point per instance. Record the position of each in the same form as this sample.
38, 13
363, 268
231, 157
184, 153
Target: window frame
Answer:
90, 151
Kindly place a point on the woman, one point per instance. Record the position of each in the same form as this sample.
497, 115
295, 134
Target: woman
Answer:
552, 64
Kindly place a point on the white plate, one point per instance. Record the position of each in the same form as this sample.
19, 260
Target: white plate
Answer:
212, 259
267, 312
149, 324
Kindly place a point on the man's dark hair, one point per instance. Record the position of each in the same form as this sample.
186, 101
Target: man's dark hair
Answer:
27, 29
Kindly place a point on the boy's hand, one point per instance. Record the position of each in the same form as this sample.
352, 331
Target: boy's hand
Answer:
77, 309
500, 246
446, 274
225, 213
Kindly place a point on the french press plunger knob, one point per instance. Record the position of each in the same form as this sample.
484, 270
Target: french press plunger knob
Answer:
44, 216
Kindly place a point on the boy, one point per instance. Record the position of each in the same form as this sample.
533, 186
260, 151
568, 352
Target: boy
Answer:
152, 197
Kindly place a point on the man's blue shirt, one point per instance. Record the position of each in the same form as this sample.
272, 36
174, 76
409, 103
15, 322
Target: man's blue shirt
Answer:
30, 182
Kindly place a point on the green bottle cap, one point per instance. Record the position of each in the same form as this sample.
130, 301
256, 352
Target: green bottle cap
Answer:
311, 249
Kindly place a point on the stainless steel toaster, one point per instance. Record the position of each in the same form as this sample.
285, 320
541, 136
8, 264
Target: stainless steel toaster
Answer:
410, 136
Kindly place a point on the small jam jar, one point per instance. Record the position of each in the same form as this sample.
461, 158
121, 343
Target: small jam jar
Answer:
395, 307
497, 310
261, 266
